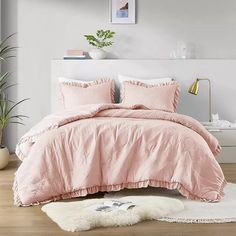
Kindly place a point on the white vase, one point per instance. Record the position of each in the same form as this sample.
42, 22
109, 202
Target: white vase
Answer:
4, 157
97, 54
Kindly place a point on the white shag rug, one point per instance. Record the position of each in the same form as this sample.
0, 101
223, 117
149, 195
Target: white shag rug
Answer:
194, 211
76, 216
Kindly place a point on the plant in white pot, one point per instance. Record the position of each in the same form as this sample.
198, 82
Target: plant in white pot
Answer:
7, 106
99, 41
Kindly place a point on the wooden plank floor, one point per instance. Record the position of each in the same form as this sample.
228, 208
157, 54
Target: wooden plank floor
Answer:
30, 221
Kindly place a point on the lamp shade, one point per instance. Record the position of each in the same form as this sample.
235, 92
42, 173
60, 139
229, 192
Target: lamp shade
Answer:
194, 88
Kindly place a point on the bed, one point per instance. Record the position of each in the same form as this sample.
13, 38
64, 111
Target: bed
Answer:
87, 148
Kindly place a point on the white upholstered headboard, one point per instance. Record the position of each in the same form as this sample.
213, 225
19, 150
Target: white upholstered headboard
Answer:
221, 72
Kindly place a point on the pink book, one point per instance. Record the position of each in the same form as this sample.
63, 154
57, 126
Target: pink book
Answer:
75, 52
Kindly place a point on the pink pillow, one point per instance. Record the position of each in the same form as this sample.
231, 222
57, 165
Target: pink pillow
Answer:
75, 92
163, 96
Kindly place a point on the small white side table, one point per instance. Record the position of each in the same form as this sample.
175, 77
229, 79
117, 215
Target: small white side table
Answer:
227, 140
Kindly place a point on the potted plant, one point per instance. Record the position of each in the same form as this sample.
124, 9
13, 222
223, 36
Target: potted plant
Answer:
7, 106
101, 40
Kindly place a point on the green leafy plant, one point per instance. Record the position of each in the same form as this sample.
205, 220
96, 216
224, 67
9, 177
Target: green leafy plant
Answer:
102, 38
7, 106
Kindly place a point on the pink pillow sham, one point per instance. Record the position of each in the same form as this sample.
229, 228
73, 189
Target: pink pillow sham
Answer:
75, 93
163, 96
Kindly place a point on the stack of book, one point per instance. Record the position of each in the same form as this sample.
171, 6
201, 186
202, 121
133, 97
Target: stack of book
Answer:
75, 54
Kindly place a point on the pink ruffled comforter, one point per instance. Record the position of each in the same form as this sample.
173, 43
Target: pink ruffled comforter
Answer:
111, 147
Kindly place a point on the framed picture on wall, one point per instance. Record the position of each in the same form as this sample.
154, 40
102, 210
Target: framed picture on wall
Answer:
122, 11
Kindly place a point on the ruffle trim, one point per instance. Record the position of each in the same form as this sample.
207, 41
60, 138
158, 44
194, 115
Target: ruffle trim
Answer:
138, 83
217, 150
19, 153
109, 188
89, 84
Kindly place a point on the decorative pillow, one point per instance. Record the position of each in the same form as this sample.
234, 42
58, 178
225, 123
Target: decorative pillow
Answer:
163, 96
76, 92
123, 78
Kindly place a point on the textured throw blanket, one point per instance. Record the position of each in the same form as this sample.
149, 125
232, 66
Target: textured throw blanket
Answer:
108, 147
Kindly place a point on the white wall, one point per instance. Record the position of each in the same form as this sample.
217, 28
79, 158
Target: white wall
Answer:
9, 26
46, 28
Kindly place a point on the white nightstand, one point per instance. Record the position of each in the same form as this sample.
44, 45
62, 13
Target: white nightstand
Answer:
227, 139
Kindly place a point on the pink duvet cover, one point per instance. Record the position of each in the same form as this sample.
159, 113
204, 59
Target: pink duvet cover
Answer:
110, 147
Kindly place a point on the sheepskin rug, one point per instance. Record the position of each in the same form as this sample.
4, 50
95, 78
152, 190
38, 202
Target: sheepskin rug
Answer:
223, 211
76, 216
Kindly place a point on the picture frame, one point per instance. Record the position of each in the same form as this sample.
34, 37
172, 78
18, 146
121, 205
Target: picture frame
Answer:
122, 11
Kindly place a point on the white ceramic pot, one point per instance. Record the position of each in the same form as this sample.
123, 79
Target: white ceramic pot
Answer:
4, 157
97, 54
